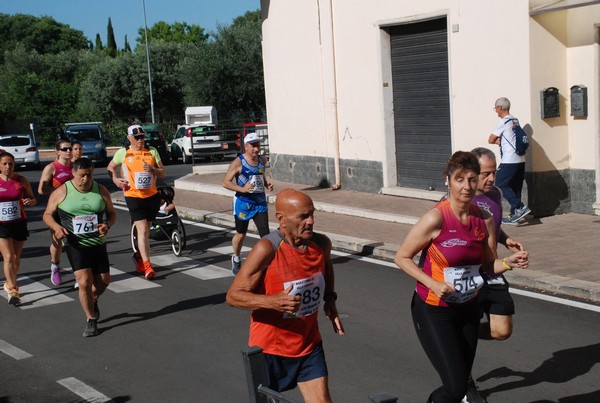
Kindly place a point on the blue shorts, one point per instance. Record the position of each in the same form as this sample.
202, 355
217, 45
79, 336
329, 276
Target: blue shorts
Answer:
283, 373
245, 209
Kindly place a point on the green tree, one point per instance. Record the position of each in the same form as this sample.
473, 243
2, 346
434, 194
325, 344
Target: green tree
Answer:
111, 44
179, 32
44, 35
227, 72
99, 46
118, 88
40, 88
126, 48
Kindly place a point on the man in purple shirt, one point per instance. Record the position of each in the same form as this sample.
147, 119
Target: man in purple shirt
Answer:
494, 298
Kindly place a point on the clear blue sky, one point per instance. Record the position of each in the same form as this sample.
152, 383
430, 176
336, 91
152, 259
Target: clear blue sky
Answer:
91, 16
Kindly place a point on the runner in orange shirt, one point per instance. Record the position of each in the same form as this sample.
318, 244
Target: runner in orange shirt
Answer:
140, 167
283, 281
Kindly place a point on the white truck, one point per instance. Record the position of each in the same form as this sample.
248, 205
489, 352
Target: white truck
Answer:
199, 137
201, 115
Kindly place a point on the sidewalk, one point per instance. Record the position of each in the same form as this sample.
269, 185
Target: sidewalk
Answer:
564, 249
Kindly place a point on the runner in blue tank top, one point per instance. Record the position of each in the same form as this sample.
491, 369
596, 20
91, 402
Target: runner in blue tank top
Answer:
247, 177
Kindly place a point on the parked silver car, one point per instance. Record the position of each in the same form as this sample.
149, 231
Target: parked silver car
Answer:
23, 148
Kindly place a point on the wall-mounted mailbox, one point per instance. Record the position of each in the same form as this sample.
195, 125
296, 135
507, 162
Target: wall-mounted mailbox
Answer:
549, 102
579, 100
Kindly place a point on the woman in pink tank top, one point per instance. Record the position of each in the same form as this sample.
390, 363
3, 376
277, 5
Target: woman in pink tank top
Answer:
15, 195
455, 242
53, 176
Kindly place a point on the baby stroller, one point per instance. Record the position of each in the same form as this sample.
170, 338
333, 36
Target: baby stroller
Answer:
166, 225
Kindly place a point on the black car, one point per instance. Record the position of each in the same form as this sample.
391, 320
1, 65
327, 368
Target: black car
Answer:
154, 138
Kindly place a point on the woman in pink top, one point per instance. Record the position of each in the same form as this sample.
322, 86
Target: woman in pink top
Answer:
15, 194
54, 175
455, 242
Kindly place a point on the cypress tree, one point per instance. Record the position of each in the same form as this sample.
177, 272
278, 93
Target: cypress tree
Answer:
127, 47
111, 44
99, 45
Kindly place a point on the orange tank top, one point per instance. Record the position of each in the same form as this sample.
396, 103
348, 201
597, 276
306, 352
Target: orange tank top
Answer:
281, 334
141, 184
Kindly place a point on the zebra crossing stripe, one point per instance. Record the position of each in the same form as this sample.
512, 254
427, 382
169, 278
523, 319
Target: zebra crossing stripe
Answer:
191, 267
87, 393
227, 250
35, 294
13, 351
121, 281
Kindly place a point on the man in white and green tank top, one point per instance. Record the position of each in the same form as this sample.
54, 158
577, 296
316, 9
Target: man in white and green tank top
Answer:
86, 214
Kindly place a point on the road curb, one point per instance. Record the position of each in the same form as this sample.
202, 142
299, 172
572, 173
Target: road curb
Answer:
184, 184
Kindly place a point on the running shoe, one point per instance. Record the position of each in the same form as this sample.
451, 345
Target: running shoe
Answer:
473, 395
235, 265
139, 263
522, 212
517, 216
91, 328
55, 274
149, 272
13, 296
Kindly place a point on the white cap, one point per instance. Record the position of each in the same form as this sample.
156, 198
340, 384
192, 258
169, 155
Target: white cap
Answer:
251, 138
134, 130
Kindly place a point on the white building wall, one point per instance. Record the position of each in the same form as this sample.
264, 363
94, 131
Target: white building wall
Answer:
293, 84
495, 49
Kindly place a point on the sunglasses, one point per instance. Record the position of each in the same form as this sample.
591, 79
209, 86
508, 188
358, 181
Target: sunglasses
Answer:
65, 149
140, 137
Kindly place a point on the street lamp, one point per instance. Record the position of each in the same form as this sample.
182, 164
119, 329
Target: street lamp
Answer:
148, 61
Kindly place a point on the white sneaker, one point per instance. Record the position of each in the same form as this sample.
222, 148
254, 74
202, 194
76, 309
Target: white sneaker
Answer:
235, 265
55, 277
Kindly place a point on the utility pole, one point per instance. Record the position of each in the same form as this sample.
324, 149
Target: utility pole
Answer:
148, 61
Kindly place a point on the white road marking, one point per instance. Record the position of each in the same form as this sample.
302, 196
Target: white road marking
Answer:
556, 300
82, 390
13, 351
35, 294
121, 281
227, 250
191, 267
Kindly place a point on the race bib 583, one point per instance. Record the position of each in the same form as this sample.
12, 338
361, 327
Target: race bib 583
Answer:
310, 290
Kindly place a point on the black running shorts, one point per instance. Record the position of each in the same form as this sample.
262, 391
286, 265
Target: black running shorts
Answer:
496, 301
95, 258
16, 230
143, 209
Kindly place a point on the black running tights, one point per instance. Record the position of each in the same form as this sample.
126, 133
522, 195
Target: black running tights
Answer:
449, 337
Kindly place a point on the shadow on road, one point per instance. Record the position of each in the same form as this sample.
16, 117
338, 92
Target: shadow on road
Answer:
563, 366
167, 310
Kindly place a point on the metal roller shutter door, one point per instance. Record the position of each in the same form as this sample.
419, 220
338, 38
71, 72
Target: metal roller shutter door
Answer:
421, 102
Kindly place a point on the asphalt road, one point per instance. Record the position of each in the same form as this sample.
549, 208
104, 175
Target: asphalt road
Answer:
175, 339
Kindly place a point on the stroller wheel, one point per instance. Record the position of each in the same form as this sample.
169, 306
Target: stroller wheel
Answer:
181, 230
176, 243
134, 242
